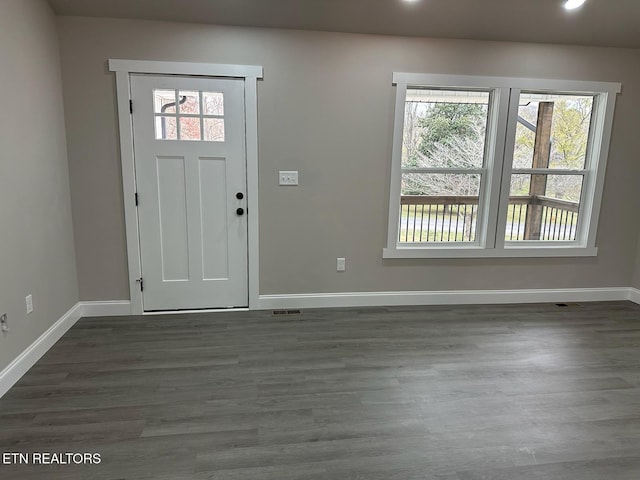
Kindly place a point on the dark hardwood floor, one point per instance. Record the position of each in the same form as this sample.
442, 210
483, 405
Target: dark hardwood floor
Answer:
523, 392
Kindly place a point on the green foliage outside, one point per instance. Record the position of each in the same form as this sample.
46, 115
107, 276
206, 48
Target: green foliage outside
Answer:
446, 123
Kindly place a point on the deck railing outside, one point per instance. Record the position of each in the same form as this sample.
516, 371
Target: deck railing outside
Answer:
454, 218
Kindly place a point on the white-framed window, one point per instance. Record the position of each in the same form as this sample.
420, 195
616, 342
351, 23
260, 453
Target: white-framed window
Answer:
497, 166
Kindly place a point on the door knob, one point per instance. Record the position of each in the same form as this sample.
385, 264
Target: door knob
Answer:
240, 211
239, 195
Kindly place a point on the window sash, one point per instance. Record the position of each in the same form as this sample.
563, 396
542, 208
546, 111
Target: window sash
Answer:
587, 218
490, 175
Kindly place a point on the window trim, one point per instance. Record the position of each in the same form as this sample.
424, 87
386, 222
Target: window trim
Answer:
502, 122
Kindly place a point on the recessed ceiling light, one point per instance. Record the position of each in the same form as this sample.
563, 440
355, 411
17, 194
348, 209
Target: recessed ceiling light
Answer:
573, 4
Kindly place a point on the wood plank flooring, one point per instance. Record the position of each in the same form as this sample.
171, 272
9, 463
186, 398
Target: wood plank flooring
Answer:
522, 392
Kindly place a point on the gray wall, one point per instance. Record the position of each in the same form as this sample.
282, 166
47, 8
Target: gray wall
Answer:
36, 240
326, 109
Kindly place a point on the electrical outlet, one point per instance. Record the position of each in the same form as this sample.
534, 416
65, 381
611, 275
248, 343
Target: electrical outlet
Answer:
288, 177
29, 301
341, 265
4, 325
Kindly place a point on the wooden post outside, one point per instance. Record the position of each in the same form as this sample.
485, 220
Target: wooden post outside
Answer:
541, 155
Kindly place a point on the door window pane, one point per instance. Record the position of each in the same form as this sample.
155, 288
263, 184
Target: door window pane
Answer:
189, 128
164, 101
189, 102
166, 128
213, 103
213, 129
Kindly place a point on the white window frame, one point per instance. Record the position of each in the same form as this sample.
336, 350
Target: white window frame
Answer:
499, 152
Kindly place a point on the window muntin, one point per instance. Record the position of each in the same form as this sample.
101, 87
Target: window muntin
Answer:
572, 184
443, 165
199, 115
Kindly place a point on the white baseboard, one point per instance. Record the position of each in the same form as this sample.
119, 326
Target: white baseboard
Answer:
108, 308
378, 299
634, 295
457, 297
27, 359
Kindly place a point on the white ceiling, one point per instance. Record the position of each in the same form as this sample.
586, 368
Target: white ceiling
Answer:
600, 22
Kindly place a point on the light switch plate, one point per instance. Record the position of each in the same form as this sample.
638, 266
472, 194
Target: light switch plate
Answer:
288, 177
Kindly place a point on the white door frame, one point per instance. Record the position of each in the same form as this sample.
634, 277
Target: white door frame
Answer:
250, 73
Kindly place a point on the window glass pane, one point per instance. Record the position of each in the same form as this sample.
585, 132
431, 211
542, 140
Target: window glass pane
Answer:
550, 215
552, 131
214, 129
213, 103
444, 128
164, 101
439, 207
166, 128
189, 102
189, 128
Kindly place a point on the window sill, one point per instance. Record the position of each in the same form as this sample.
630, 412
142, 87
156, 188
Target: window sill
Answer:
478, 252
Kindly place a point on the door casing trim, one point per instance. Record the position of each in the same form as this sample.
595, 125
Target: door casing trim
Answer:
250, 74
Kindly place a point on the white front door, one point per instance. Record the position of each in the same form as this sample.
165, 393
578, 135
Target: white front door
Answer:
189, 137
